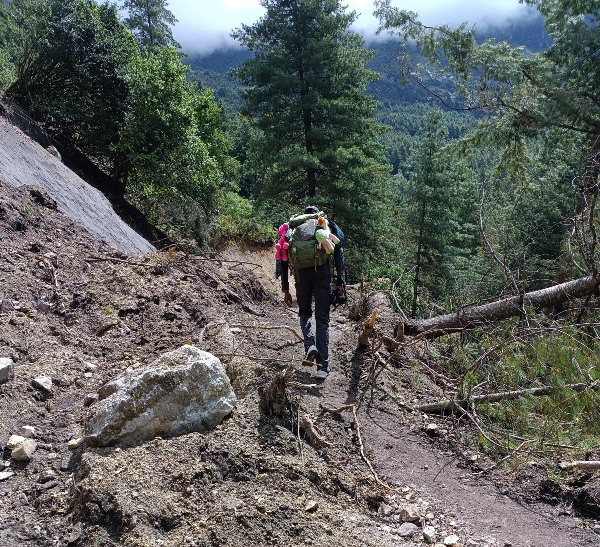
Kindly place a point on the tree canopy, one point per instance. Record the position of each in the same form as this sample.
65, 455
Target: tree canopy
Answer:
306, 91
150, 21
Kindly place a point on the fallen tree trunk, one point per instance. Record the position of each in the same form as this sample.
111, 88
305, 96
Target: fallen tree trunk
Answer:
589, 465
449, 405
468, 318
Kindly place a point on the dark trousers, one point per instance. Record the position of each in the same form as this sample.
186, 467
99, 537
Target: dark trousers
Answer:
315, 282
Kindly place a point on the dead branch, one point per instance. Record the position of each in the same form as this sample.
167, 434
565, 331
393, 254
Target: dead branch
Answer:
234, 296
270, 327
335, 410
259, 359
119, 260
460, 405
362, 450
302, 387
472, 317
204, 331
580, 465
238, 262
313, 433
368, 326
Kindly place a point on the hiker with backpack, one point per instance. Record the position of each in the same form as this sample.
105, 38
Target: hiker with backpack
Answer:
310, 236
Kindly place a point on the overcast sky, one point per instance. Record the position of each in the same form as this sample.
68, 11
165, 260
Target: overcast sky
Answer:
205, 25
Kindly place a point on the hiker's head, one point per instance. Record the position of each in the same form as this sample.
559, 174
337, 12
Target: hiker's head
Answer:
311, 210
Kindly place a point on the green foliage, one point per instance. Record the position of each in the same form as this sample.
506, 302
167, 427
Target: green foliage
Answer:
8, 71
437, 230
306, 93
564, 417
72, 55
172, 152
239, 220
151, 22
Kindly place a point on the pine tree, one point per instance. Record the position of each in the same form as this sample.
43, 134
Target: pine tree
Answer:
306, 91
151, 22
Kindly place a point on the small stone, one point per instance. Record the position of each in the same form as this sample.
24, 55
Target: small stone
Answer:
43, 305
433, 430
50, 255
75, 443
429, 517
14, 441
90, 367
311, 506
76, 534
43, 384
407, 530
47, 475
24, 451
429, 534
6, 305
385, 510
7, 369
28, 431
5, 475
410, 513
451, 540
66, 463
90, 399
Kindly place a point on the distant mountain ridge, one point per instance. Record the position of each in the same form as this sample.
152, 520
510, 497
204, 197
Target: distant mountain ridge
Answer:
213, 70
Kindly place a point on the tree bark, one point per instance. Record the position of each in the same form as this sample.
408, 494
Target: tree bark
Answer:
589, 465
449, 405
469, 318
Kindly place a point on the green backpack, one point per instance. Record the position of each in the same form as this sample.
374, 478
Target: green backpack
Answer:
303, 251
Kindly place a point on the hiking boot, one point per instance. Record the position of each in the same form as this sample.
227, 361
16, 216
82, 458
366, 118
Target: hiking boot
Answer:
312, 354
322, 372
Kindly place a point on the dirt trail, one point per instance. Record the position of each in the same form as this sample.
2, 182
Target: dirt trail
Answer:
403, 455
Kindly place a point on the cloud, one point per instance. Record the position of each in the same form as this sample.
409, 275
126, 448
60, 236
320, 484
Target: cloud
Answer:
201, 29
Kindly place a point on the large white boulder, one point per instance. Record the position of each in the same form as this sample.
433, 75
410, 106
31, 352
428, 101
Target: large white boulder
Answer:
183, 391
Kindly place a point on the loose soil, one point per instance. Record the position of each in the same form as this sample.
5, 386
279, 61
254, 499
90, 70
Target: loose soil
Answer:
74, 309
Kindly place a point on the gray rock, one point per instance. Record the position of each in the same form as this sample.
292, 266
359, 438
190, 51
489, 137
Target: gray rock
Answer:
5, 475
47, 476
183, 391
43, 305
112, 387
410, 513
429, 534
7, 369
311, 506
76, 534
28, 431
66, 463
385, 510
14, 441
43, 384
24, 450
451, 540
408, 530
90, 399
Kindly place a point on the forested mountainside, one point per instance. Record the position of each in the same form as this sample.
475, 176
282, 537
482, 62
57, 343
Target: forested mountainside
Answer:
213, 70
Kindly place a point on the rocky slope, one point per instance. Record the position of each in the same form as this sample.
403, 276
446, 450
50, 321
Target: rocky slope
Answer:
78, 313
